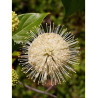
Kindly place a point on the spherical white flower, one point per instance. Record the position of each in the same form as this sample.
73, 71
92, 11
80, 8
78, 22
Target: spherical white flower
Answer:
50, 55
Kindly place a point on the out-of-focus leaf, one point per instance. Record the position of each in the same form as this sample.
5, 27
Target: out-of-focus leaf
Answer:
15, 46
13, 60
15, 55
26, 23
72, 6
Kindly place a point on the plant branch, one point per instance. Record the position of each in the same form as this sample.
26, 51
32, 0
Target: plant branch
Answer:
36, 90
49, 89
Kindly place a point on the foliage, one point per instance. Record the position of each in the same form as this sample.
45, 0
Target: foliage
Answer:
27, 22
74, 21
54, 7
72, 6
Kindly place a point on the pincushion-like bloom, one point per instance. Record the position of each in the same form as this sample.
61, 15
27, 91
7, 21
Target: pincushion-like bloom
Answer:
51, 55
15, 78
15, 21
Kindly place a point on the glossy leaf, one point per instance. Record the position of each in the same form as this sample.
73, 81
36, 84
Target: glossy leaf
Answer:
27, 22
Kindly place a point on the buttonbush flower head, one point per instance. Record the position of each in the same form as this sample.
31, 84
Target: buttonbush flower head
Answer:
50, 55
15, 21
14, 78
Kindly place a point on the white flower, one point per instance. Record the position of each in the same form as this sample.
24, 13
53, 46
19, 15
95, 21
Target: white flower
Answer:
50, 55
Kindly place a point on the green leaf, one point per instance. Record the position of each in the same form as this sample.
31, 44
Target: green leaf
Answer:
15, 55
27, 22
15, 46
72, 6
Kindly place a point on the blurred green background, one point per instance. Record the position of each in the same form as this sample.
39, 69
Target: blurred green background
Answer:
75, 22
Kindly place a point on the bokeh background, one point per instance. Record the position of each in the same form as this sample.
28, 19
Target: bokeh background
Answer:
74, 87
